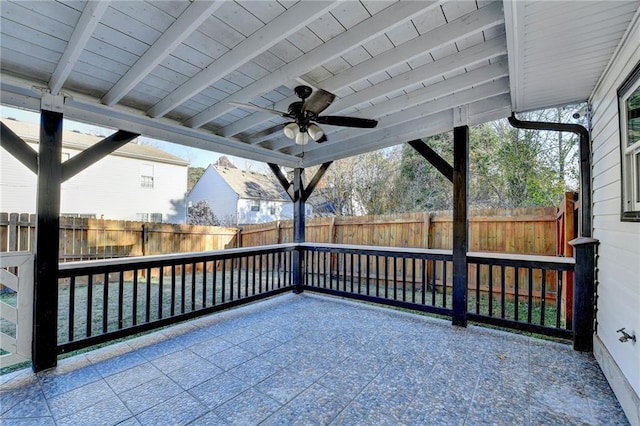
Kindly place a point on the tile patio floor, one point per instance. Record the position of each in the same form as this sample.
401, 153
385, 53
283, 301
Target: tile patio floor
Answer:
309, 359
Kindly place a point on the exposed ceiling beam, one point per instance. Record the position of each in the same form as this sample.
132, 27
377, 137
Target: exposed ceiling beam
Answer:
266, 37
394, 15
465, 26
189, 21
89, 19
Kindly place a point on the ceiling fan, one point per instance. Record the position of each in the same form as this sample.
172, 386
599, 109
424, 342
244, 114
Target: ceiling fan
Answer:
305, 115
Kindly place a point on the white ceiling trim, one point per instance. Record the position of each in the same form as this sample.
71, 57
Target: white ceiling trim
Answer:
189, 21
89, 20
394, 15
266, 37
467, 25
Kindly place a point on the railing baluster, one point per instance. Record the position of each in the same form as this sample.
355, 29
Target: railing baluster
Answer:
147, 300
359, 274
490, 290
72, 306
478, 267
105, 302
444, 284
246, 276
260, 273
433, 281
120, 299
172, 308
404, 279
253, 274
516, 294
160, 290
351, 271
395, 278
239, 260
89, 304
344, 271
558, 298
413, 280
530, 298
368, 276
214, 279
183, 287
231, 271
424, 281
223, 273
377, 276
204, 284
134, 302
193, 286
503, 290
543, 294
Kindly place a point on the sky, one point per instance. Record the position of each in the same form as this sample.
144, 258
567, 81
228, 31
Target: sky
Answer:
197, 157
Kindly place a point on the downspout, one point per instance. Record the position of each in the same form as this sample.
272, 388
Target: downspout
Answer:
585, 162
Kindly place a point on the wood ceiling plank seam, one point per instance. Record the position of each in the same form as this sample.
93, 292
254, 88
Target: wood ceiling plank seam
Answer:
600, 29
350, 14
192, 18
148, 13
120, 40
130, 26
263, 10
253, 70
239, 18
305, 40
200, 42
326, 27
58, 11
568, 52
36, 50
458, 60
110, 52
286, 51
45, 24
10, 30
366, 30
582, 17
478, 21
257, 43
37, 68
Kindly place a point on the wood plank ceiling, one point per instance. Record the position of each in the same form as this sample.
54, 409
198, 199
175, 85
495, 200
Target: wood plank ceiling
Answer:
171, 69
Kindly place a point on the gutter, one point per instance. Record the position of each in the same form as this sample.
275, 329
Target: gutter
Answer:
585, 162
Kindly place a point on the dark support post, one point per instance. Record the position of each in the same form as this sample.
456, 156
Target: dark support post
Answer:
45, 297
460, 237
583, 293
298, 229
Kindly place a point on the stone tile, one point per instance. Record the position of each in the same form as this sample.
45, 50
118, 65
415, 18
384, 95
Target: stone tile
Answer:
250, 407
283, 386
238, 336
219, 389
315, 405
54, 383
149, 394
160, 349
119, 363
34, 421
179, 410
34, 405
19, 390
109, 411
79, 399
361, 413
199, 371
259, 344
133, 377
175, 360
608, 412
230, 358
254, 371
193, 337
211, 346
209, 419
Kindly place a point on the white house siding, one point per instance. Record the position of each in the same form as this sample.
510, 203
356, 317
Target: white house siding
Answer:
269, 211
110, 187
213, 189
618, 264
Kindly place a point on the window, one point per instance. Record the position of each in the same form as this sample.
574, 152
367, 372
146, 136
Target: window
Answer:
142, 217
156, 217
629, 109
146, 176
255, 206
272, 211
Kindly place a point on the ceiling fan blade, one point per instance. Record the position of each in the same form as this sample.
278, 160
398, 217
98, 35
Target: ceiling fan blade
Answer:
322, 139
258, 108
336, 120
267, 132
318, 101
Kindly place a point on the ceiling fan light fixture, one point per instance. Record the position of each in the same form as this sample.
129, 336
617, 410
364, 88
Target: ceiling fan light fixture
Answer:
291, 130
302, 138
315, 132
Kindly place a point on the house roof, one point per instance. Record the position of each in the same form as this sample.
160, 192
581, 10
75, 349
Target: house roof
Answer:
171, 70
76, 140
251, 185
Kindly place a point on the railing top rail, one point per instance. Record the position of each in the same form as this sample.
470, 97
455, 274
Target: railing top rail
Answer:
160, 258
392, 250
521, 257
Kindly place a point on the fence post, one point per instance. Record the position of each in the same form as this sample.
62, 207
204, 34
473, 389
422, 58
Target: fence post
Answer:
583, 292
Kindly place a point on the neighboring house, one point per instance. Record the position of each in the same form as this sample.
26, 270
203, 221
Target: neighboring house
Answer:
616, 219
242, 197
136, 182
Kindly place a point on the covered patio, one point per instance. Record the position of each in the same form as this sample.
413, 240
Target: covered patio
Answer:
311, 359
210, 75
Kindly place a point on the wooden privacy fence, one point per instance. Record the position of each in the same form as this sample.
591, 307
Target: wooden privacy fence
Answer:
530, 231
87, 239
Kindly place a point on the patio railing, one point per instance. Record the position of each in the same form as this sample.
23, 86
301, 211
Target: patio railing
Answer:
104, 300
